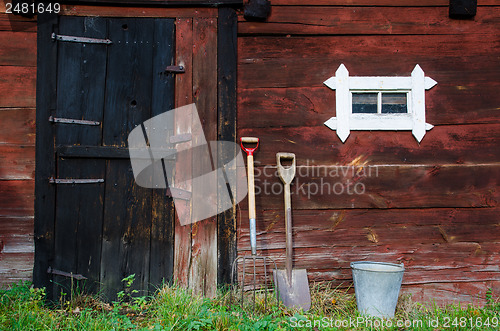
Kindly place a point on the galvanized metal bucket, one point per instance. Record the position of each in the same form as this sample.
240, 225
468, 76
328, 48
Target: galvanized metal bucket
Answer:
377, 286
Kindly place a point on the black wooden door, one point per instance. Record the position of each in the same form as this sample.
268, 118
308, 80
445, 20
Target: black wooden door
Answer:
105, 226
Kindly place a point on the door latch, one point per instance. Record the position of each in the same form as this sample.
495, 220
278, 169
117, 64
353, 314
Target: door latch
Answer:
175, 69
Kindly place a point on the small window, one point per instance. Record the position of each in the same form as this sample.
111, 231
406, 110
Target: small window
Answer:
379, 103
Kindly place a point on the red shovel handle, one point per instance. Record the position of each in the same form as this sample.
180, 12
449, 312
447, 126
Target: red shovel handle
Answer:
248, 150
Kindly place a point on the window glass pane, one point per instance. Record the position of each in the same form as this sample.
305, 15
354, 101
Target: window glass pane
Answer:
394, 103
364, 103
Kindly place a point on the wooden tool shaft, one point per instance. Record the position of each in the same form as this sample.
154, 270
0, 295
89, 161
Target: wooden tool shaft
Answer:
251, 204
288, 230
251, 187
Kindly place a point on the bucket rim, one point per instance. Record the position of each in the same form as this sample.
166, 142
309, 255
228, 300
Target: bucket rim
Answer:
355, 265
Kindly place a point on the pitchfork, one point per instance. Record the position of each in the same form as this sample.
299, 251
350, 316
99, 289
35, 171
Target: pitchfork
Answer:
253, 233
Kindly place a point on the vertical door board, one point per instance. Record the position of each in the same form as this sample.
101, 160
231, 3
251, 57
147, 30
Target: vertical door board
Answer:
183, 97
127, 213
78, 223
226, 131
203, 272
44, 192
162, 217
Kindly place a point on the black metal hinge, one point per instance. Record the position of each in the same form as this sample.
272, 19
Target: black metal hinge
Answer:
53, 180
75, 39
72, 121
65, 274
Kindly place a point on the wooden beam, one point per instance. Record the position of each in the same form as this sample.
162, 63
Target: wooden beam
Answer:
203, 272
227, 100
115, 11
382, 187
162, 3
388, 3
183, 97
45, 192
331, 20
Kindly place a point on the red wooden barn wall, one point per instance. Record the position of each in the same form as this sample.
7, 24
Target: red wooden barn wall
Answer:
17, 145
433, 205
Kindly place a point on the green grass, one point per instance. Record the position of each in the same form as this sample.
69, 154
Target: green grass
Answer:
173, 308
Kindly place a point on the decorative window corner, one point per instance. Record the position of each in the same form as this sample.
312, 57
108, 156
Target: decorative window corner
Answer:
379, 103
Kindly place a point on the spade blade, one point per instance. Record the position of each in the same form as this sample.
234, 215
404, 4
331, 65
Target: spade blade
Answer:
295, 294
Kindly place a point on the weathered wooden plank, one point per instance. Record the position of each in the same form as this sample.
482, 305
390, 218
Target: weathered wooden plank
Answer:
127, 215
163, 213
333, 20
18, 49
226, 131
402, 3
16, 267
361, 227
11, 225
17, 197
16, 235
16, 23
45, 192
106, 152
18, 84
183, 97
79, 208
318, 145
450, 103
17, 126
439, 275
429, 260
203, 273
254, 49
91, 74
308, 62
171, 3
285, 107
17, 162
392, 186
439, 266
81, 75
418, 257
298, 72
126, 11
441, 294
78, 212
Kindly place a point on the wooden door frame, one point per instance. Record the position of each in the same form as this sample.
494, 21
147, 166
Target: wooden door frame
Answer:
226, 48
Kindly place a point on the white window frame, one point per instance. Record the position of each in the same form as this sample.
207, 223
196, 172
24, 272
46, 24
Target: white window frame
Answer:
414, 120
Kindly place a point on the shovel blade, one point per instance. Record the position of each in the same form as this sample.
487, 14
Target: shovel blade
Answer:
296, 294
